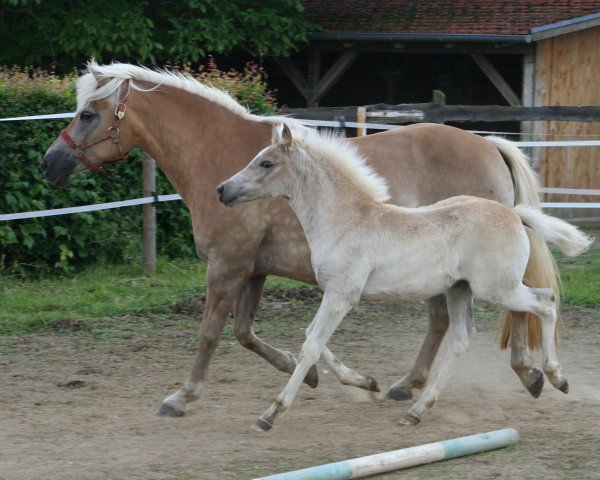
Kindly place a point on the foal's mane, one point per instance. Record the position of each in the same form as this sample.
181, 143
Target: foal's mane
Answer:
330, 147
117, 73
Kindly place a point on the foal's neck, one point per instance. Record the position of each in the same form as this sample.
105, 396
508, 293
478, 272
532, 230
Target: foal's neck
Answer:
321, 196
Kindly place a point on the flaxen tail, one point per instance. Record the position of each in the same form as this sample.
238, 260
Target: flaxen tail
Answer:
542, 271
565, 236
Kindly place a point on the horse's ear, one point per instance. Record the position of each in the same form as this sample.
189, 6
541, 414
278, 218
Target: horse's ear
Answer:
275, 134
100, 78
286, 137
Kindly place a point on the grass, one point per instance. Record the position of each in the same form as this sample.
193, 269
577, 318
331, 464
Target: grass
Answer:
116, 291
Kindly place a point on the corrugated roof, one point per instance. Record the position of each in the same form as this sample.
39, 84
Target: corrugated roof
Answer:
480, 17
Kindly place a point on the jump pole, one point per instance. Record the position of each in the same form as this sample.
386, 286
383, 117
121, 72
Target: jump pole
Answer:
404, 458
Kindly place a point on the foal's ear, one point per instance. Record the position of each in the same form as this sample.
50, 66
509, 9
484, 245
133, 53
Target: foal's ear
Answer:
100, 78
286, 137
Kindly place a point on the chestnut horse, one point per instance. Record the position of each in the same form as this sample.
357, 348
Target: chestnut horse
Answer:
462, 247
200, 136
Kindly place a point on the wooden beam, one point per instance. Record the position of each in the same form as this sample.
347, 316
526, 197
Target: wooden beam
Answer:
335, 72
494, 76
291, 70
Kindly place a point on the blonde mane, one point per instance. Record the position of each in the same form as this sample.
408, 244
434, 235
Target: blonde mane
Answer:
345, 157
88, 88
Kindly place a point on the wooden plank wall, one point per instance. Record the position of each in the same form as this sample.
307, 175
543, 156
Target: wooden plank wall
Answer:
567, 72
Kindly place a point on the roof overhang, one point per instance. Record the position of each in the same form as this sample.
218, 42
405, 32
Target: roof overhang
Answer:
567, 26
418, 37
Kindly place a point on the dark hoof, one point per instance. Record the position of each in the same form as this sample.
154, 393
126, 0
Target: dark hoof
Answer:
535, 389
564, 387
410, 419
312, 377
400, 394
263, 425
169, 411
373, 387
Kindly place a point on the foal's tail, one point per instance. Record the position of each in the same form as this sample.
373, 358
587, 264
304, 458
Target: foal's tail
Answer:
565, 236
541, 271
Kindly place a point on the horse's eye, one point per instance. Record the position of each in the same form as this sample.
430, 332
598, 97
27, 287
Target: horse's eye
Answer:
85, 115
266, 164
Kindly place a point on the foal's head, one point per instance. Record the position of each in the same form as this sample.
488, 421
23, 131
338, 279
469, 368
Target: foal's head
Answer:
268, 175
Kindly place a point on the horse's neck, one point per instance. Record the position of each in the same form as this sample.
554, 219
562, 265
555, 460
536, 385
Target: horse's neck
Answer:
196, 143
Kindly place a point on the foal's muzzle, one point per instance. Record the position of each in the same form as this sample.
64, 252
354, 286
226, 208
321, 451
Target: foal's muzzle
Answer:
225, 196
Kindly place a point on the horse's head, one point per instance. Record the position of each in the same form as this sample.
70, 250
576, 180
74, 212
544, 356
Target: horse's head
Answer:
95, 136
265, 176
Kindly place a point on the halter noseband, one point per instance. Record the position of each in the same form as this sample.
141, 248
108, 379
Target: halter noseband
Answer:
112, 132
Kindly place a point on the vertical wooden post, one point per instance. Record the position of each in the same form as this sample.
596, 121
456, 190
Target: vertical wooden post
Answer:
361, 117
438, 98
528, 93
149, 221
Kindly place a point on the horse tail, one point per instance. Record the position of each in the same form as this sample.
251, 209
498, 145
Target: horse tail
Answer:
565, 236
541, 271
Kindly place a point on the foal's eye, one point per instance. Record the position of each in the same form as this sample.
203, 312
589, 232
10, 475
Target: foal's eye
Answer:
266, 164
85, 115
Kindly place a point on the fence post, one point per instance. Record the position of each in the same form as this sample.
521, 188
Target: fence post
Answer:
361, 117
149, 222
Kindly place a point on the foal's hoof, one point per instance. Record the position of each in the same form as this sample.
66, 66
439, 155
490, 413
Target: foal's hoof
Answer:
535, 389
263, 425
166, 410
400, 394
373, 387
564, 387
409, 419
312, 377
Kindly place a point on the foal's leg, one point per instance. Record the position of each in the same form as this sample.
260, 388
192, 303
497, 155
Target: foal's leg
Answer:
520, 357
331, 312
417, 378
220, 294
460, 310
245, 308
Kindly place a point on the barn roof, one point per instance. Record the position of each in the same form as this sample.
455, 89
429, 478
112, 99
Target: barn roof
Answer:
473, 18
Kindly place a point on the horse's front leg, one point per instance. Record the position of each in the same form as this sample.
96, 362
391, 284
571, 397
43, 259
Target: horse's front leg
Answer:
221, 292
246, 306
417, 378
333, 309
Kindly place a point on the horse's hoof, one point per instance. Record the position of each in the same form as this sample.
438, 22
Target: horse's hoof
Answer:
535, 389
166, 410
409, 419
312, 377
373, 387
564, 387
263, 425
400, 394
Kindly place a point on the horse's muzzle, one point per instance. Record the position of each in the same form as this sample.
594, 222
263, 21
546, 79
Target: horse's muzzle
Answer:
57, 167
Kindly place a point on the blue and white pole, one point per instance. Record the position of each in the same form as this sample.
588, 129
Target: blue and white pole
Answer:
405, 458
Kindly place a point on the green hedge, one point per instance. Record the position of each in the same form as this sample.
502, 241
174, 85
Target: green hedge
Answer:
61, 244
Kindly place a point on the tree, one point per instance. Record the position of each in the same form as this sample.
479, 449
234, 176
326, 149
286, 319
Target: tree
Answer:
65, 33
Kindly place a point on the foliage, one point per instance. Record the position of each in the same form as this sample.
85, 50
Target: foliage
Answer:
67, 33
36, 247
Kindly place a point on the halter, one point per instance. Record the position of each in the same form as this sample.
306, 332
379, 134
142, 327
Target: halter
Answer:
113, 133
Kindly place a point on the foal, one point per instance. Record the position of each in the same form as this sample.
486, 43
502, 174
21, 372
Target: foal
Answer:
462, 247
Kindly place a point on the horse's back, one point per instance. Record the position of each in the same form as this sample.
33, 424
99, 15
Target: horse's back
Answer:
425, 163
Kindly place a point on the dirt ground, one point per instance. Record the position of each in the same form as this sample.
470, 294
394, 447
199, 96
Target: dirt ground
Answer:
80, 404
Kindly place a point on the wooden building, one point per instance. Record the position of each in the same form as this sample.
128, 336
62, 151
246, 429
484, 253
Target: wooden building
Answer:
526, 52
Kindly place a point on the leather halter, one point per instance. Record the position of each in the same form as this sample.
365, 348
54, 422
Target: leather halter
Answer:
112, 133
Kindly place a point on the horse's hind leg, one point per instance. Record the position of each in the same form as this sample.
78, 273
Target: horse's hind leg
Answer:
246, 306
520, 357
417, 378
460, 310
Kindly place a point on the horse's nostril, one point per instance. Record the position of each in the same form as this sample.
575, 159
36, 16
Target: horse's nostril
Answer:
44, 166
220, 190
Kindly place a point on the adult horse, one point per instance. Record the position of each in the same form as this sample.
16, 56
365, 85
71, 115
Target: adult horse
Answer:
199, 137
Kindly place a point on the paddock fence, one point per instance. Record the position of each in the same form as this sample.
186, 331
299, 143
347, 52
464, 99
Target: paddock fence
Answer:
388, 117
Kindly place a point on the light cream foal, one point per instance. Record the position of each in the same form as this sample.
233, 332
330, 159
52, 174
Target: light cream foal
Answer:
361, 247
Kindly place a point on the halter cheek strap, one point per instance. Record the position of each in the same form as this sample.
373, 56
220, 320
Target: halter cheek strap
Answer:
112, 133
